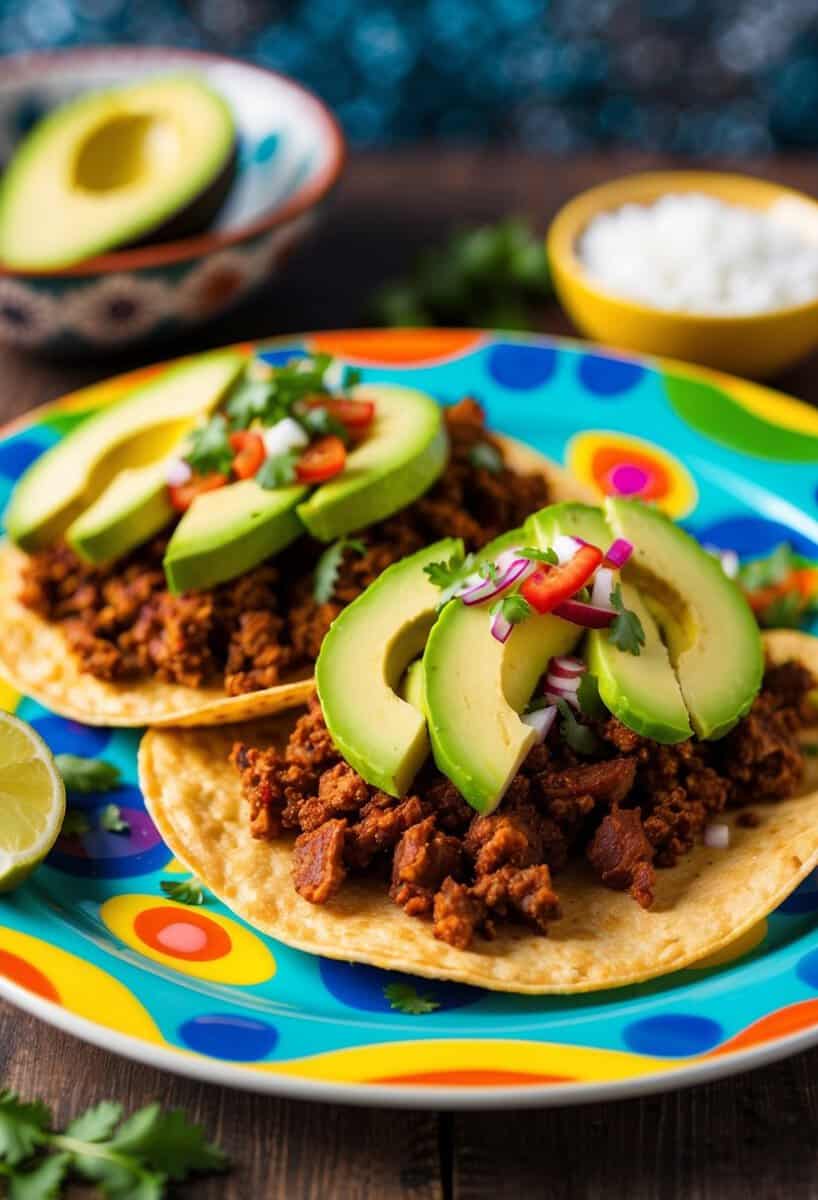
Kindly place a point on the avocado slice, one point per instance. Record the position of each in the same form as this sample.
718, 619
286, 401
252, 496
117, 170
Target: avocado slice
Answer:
227, 532
475, 688
136, 433
411, 687
405, 452
112, 168
362, 661
712, 638
641, 690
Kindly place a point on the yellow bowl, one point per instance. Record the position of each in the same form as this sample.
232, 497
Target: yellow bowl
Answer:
757, 344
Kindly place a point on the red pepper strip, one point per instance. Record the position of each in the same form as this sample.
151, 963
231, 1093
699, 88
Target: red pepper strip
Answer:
250, 453
549, 586
182, 495
321, 460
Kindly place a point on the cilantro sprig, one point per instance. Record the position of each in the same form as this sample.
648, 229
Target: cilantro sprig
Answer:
626, 630
87, 774
578, 736
112, 820
325, 575
208, 450
184, 891
277, 471
589, 699
134, 1158
514, 607
405, 998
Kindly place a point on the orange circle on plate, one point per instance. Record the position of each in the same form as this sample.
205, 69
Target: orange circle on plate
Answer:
609, 459
33, 980
163, 929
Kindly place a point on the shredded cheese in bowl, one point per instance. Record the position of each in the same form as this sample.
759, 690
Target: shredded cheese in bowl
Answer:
694, 253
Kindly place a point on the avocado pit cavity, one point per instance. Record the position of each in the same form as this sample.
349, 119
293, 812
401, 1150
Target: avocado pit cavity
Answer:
123, 150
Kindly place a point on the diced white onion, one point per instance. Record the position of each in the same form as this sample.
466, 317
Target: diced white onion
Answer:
178, 473
285, 435
603, 584
565, 548
540, 720
717, 836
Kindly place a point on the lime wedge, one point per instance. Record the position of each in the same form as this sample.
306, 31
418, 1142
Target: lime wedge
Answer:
32, 801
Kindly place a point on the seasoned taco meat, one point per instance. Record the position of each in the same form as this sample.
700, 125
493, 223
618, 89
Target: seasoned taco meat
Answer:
122, 623
636, 807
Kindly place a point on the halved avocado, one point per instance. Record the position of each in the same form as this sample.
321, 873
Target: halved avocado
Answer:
712, 637
138, 432
361, 664
411, 687
229, 531
116, 167
404, 453
641, 690
476, 687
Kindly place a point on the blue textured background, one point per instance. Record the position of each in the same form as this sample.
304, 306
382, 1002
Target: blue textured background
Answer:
731, 77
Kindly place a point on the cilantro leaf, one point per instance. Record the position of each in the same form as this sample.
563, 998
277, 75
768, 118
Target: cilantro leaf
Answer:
319, 422
96, 1124
208, 449
278, 470
535, 555
405, 998
325, 575
75, 823
626, 630
270, 399
352, 377
766, 572
251, 400
184, 891
23, 1127
42, 1182
578, 736
514, 607
112, 821
443, 574
87, 774
168, 1143
589, 698
488, 570
486, 457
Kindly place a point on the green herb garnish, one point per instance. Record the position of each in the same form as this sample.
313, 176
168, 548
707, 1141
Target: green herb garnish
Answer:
578, 736
319, 422
443, 574
488, 570
514, 607
486, 457
184, 891
112, 821
406, 999
75, 823
132, 1159
543, 556
766, 572
626, 630
785, 612
326, 571
87, 774
589, 698
277, 471
270, 400
208, 449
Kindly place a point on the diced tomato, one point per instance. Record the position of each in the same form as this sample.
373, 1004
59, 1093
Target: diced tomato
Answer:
355, 414
549, 586
803, 581
250, 453
321, 460
182, 495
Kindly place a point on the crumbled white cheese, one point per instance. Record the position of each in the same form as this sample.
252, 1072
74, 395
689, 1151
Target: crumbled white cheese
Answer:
285, 435
694, 253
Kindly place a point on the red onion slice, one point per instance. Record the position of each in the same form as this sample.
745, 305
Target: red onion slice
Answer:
501, 627
558, 683
566, 665
555, 697
541, 720
487, 589
619, 552
591, 616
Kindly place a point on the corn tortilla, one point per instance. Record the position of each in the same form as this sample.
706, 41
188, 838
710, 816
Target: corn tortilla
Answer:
603, 940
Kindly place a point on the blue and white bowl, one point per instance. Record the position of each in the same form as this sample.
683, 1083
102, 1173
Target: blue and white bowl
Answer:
290, 155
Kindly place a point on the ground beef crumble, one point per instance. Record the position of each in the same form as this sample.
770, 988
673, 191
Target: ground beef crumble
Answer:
638, 807
122, 623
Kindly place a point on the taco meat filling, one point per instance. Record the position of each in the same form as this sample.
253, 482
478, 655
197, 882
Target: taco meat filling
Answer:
123, 623
636, 807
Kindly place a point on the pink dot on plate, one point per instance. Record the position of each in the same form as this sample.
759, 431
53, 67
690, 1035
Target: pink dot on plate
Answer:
628, 479
181, 937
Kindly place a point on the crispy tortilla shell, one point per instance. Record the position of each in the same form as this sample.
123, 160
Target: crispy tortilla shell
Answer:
35, 659
603, 940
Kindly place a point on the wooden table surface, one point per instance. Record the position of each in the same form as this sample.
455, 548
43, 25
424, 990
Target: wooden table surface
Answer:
755, 1134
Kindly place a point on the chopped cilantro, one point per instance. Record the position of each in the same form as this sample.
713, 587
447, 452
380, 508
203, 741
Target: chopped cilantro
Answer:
578, 736
75, 823
112, 821
514, 607
87, 774
270, 400
406, 999
352, 377
488, 570
326, 571
536, 703
626, 630
184, 891
443, 574
486, 457
589, 698
278, 470
542, 556
208, 449
770, 570
319, 422
131, 1159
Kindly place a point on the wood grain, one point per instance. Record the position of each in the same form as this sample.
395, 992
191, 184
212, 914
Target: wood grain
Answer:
753, 1135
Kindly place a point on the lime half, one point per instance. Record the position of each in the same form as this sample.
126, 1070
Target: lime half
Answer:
32, 801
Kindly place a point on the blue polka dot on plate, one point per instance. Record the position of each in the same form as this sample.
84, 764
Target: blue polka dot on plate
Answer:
279, 358
70, 737
803, 900
608, 376
520, 367
807, 969
238, 1039
754, 536
16, 455
365, 988
673, 1035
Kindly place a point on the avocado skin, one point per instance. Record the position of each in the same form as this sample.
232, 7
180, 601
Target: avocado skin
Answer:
198, 214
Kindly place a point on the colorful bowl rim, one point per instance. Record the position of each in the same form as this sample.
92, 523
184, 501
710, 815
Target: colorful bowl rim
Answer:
310, 193
565, 226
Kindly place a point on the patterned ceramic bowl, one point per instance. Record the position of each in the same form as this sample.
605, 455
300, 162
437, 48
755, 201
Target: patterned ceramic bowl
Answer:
291, 152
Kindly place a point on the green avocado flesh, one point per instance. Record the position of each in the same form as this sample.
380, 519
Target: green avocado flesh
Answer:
404, 453
411, 688
115, 167
102, 486
641, 690
475, 689
362, 662
712, 637
227, 532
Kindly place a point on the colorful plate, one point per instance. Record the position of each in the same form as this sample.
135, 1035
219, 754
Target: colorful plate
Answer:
92, 945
